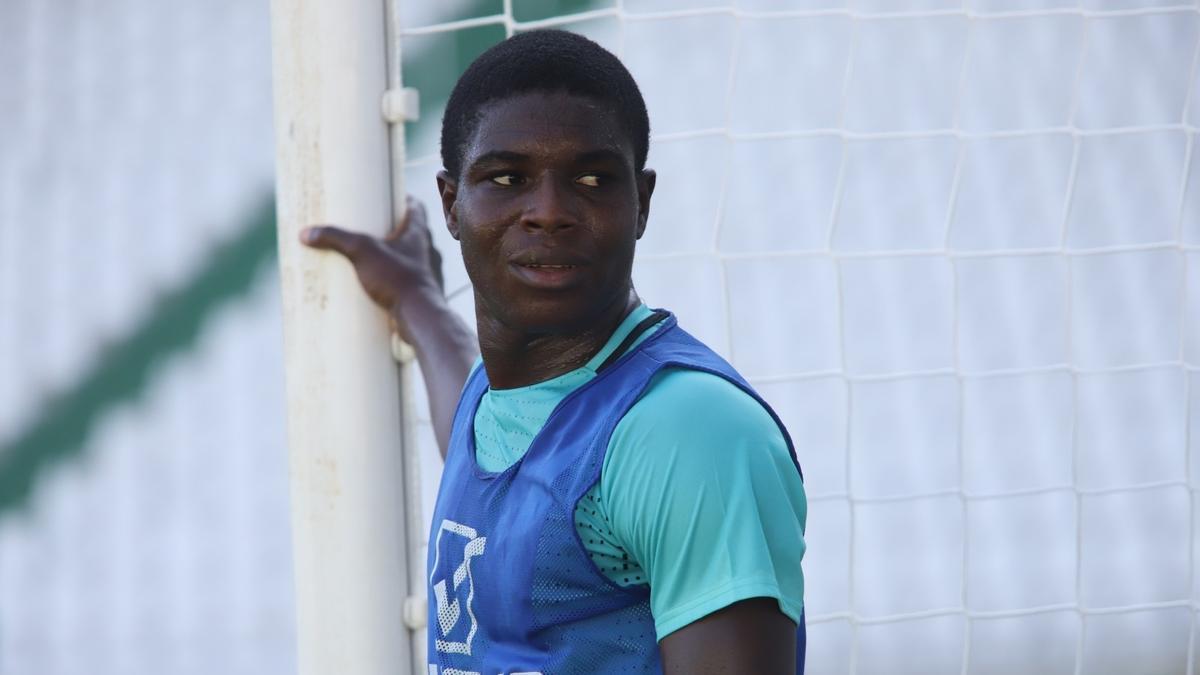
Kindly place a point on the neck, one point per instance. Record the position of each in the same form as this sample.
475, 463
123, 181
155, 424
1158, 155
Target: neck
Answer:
514, 358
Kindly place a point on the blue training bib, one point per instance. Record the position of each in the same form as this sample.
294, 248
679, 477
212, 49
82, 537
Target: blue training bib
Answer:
511, 588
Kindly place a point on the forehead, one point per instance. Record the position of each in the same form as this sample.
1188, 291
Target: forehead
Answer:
540, 123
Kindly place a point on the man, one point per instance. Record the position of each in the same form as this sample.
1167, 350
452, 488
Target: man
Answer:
615, 497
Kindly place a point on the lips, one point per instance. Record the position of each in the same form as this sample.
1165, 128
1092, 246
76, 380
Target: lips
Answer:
548, 271
535, 266
548, 258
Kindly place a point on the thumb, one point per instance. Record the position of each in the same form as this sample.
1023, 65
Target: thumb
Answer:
329, 238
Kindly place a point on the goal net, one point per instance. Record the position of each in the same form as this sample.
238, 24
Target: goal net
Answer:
956, 247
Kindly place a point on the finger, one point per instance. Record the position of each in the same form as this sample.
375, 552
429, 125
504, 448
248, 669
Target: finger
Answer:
420, 217
414, 217
329, 238
414, 208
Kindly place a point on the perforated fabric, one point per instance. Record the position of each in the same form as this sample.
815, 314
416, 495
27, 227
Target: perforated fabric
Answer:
507, 421
511, 586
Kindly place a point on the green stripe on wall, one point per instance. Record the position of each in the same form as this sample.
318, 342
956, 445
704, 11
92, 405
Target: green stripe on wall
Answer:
123, 371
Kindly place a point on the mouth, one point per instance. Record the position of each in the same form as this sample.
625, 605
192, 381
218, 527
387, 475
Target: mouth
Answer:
547, 275
536, 266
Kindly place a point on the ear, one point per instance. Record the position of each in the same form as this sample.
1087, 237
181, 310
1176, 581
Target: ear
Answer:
448, 190
645, 187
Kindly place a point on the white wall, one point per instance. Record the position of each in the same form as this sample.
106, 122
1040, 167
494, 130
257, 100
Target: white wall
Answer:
136, 137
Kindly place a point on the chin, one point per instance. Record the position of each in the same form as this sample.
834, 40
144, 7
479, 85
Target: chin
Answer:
555, 319
562, 315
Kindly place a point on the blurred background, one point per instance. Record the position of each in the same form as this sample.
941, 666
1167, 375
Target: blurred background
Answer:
956, 245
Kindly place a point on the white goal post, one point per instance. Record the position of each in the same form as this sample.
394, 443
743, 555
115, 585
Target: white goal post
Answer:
351, 541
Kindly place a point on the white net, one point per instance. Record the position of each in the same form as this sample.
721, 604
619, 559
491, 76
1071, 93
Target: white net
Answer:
958, 249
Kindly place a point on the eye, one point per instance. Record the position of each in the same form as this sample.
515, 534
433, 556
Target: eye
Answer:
589, 179
506, 179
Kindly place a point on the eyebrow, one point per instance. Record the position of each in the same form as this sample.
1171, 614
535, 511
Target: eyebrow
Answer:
601, 155
498, 157
510, 157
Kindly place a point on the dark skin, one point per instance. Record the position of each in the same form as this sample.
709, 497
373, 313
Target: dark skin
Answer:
548, 208
548, 212
402, 274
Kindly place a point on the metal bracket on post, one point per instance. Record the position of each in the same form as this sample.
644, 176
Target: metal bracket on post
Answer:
416, 611
402, 351
401, 105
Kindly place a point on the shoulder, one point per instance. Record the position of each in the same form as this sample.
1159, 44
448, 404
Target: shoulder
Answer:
692, 428
701, 490
686, 404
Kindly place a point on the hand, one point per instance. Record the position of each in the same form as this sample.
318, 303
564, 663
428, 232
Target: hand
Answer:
393, 270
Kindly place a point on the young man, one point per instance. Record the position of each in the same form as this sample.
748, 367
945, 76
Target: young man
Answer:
615, 498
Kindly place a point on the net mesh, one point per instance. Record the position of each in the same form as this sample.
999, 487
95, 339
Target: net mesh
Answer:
957, 249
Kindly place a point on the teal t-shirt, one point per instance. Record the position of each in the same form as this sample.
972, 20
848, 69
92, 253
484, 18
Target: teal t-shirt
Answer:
697, 497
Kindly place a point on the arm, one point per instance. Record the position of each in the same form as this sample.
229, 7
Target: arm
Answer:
402, 273
701, 491
751, 636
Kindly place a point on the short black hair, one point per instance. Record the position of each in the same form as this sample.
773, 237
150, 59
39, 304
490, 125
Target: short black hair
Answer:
543, 61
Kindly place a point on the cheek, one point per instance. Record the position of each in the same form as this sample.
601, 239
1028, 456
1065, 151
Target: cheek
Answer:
482, 249
482, 220
624, 232
618, 250
474, 249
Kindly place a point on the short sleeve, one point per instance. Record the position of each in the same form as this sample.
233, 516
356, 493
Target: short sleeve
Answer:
701, 490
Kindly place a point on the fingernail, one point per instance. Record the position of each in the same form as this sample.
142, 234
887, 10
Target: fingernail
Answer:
308, 234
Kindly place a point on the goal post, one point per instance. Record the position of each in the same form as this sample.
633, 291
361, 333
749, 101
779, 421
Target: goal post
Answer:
349, 533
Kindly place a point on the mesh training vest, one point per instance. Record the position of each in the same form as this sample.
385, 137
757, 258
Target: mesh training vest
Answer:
511, 587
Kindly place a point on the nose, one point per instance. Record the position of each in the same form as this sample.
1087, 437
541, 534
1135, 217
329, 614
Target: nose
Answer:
550, 207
